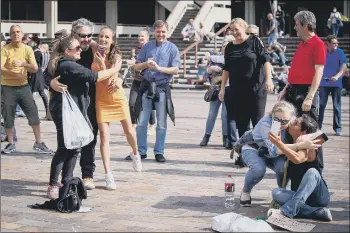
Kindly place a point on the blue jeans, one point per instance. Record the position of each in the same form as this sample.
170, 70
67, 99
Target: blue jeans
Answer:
272, 38
336, 97
282, 57
312, 195
141, 129
213, 113
257, 168
335, 29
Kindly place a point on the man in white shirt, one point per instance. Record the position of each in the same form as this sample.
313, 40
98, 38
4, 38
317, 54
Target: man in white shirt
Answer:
189, 31
336, 21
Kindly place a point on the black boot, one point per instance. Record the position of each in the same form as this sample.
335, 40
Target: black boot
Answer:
205, 140
226, 142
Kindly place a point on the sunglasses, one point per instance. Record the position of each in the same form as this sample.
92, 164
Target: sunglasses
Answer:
283, 122
84, 35
76, 48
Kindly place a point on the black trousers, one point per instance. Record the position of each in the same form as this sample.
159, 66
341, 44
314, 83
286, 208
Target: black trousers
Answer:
64, 160
45, 99
87, 158
134, 92
296, 94
243, 106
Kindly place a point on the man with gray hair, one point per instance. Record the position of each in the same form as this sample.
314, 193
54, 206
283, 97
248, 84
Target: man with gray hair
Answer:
306, 71
158, 61
82, 30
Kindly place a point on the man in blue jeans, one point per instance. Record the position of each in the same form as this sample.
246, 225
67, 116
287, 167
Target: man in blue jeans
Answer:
309, 195
332, 82
273, 30
158, 61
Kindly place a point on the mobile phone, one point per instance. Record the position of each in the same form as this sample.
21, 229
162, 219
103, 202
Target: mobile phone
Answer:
319, 135
275, 127
101, 50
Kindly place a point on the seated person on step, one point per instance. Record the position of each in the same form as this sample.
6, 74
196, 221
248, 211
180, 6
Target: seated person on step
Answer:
189, 31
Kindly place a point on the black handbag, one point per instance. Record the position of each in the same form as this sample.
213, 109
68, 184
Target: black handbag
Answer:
212, 94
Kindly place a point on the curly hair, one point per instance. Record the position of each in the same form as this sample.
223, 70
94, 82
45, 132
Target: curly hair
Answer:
306, 18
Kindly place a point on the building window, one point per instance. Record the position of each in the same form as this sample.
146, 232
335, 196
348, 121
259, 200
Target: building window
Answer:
69, 11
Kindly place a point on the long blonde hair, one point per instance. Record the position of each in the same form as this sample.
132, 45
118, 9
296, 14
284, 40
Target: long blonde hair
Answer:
58, 51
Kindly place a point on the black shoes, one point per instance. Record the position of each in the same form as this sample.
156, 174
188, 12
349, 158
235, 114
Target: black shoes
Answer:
226, 142
129, 158
160, 158
205, 140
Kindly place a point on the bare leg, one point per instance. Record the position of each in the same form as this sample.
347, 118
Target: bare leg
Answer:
130, 134
36, 130
9, 134
104, 145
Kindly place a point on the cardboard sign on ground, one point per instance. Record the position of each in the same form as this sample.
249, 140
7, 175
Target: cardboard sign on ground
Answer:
289, 224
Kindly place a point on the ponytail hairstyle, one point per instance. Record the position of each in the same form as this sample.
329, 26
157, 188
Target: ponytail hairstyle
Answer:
58, 51
114, 50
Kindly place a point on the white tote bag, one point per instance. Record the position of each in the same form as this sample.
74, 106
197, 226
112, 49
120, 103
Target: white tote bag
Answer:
76, 131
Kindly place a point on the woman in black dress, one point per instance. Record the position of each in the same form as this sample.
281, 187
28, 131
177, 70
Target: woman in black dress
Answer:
248, 89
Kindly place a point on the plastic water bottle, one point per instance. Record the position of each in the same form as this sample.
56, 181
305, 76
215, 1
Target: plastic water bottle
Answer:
230, 192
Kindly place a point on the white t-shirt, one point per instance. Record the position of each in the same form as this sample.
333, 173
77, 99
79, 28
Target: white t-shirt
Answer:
336, 14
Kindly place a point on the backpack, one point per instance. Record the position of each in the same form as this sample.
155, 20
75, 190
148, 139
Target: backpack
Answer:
71, 201
246, 138
71, 195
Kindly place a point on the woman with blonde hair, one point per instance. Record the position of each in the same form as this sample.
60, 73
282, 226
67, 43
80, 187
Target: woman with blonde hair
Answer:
143, 38
111, 102
248, 90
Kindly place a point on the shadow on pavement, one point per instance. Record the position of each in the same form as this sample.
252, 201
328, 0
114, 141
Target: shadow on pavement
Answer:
209, 204
13, 188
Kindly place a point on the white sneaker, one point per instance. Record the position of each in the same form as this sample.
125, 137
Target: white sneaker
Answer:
274, 212
136, 162
110, 184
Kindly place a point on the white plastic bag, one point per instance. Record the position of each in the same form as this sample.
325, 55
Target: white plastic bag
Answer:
76, 131
232, 222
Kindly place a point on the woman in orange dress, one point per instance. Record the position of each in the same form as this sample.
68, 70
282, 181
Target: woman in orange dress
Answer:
111, 102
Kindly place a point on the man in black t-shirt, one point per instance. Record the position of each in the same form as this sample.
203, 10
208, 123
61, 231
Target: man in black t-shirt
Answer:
309, 193
82, 30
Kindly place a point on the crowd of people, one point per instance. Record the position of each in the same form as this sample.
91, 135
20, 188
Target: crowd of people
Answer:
88, 71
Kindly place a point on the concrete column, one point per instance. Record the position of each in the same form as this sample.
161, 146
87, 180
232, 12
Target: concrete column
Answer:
346, 10
249, 11
50, 17
112, 14
159, 12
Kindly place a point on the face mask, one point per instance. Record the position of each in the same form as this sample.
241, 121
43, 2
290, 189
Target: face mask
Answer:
334, 10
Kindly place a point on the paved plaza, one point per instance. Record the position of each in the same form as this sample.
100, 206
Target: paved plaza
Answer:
181, 195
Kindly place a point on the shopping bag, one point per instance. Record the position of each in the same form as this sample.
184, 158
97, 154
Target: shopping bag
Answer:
232, 222
76, 131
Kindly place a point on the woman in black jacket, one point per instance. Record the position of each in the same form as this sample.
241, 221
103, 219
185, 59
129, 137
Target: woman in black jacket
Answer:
75, 77
248, 89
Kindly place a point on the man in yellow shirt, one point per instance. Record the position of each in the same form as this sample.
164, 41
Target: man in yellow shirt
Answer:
16, 60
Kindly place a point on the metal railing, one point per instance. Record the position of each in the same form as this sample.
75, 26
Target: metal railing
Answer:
195, 45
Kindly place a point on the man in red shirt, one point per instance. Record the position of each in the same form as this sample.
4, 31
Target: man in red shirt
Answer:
306, 70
